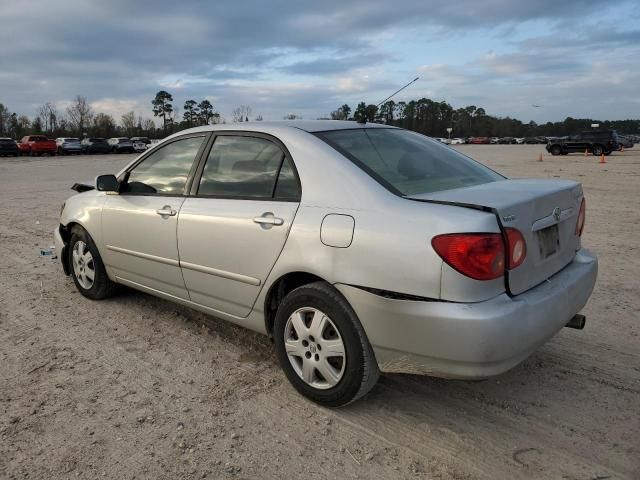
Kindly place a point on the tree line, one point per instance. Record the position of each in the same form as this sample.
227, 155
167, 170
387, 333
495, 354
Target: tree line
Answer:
78, 119
424, 116
433, 118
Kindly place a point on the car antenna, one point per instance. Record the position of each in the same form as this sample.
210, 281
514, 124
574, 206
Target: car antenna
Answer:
398, 91
363, 119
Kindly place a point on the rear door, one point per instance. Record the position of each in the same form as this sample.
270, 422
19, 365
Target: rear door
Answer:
234, 226
139, 224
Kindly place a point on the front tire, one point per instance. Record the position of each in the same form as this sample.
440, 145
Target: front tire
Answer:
597, 150
87, 269
556, 150
322, 346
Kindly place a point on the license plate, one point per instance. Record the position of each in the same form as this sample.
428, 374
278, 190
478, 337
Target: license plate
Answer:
549, 241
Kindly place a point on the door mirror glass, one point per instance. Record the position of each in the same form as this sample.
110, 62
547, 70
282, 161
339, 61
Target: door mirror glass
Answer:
107, 183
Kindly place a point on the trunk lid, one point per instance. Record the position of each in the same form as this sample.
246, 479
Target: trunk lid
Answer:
544, 211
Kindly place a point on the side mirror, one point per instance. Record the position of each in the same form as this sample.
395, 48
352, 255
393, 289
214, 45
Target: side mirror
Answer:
107, 183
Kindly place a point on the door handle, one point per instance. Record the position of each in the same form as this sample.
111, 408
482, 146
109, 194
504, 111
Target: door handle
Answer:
166, 211
267, 220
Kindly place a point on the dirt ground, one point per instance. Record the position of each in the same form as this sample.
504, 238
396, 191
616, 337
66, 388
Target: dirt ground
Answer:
136, 387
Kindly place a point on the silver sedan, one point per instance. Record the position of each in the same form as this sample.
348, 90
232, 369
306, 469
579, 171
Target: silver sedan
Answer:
359, 248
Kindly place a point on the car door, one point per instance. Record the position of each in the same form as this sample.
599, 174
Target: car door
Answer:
139, 223
234, 226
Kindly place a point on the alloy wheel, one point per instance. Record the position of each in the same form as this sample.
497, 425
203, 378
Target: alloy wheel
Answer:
83, 265
315, 348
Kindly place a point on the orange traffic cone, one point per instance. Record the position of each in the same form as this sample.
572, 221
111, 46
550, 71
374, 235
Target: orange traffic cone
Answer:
586, 152
602, 160
540, 158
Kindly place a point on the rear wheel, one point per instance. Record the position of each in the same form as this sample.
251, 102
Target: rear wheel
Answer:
597, 150
87, 269
322, 346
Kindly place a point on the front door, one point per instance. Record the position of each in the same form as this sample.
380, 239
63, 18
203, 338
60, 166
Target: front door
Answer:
139, 224
232, 231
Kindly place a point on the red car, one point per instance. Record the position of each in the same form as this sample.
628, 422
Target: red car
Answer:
480, 140
37, 145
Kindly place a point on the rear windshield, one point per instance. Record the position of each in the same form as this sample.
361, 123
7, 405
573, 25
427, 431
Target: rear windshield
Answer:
71, 140
408, 163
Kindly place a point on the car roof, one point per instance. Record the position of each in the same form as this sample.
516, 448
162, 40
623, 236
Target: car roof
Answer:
276, 127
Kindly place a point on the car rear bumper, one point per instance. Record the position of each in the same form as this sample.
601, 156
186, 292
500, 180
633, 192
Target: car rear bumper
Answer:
471, 340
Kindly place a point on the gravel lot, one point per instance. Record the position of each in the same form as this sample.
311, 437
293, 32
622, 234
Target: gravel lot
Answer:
136, 387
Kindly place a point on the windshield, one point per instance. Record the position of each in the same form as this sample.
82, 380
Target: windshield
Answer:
408, 163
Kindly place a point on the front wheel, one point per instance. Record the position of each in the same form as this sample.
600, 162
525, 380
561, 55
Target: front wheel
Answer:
597, 150
322, 346
556, 150
87, 269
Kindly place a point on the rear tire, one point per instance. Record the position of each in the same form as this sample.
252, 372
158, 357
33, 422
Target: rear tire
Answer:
597, 150
87, 269
322, 346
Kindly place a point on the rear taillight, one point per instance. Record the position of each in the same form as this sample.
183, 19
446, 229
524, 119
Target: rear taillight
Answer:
581, 217
477, 255
517, 248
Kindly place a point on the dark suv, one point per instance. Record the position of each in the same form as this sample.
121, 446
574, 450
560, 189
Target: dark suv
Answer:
594, 141
95, 145
8, 146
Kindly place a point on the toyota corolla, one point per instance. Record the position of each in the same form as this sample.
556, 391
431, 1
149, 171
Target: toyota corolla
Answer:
359, 248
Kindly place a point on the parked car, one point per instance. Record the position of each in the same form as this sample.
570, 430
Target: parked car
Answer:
95, 145
531, 140
138, 146
494, 140
597, 142
518, 140
457, 141
34, 145
8, 147
68, 145
144, 140
121, 145
446, 141
480, 140
505, 140
358, 248
624, 142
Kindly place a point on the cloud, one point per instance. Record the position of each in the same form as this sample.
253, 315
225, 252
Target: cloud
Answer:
285, 55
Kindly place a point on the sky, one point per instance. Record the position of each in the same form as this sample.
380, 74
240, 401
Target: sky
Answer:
576, 58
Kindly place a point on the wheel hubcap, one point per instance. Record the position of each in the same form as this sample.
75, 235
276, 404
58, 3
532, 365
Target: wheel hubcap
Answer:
315, 348
83, 266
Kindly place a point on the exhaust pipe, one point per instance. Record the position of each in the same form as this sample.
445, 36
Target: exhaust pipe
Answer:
577, 321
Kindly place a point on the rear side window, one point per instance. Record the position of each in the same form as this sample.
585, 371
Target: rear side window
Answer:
248, 167
408, 163
165, 171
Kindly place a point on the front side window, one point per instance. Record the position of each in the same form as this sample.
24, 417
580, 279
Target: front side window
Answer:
165, 171
408, 163
247, 167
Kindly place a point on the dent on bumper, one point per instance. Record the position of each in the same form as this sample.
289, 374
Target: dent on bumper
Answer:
472, 340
